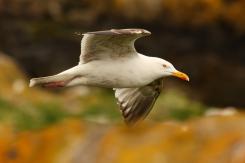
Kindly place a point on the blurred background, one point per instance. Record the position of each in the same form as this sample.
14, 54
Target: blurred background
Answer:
199, 121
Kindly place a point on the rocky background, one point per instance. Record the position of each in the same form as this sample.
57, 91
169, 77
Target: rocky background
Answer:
205, 38
199, 121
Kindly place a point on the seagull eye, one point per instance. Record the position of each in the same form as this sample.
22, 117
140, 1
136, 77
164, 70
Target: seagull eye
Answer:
164, 66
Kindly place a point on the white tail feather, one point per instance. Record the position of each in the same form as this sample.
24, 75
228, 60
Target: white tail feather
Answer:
61, 79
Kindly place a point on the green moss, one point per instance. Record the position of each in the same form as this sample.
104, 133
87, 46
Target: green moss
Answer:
176, 105
5, 108
101, 111
99, 105
184, 114
104, 106
51, 113
31, 117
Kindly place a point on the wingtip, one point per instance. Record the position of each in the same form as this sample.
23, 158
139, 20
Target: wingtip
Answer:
141, 31
32, 83
127, 31
79, 33
147, 32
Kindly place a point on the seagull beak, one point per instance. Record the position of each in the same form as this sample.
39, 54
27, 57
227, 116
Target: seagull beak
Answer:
181, 75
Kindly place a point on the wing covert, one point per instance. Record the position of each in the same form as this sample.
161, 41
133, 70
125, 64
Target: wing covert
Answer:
113, 43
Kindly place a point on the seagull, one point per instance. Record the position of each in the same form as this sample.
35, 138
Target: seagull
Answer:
109, 59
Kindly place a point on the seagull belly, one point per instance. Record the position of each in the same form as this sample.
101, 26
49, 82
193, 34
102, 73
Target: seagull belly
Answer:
116, 75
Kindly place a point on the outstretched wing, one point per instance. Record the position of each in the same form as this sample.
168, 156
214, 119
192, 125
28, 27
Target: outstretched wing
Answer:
136, 103
113, 43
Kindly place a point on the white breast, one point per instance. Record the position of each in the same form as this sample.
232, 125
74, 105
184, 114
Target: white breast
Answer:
133, 72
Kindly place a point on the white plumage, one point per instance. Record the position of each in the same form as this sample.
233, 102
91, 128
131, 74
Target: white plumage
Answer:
109, 59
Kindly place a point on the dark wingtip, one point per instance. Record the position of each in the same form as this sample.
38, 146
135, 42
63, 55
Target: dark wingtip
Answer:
128, 31
78, 34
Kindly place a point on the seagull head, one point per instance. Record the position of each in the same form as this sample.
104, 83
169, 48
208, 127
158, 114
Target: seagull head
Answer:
165, 69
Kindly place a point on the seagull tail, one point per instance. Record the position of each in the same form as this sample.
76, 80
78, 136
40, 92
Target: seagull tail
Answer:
65, 78
50, 81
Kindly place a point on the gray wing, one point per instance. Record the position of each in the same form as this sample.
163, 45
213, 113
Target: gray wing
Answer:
136, 103
113, 43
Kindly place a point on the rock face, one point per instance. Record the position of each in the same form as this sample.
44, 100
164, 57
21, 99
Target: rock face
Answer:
34, 129
14, 84
210, 139
205, 38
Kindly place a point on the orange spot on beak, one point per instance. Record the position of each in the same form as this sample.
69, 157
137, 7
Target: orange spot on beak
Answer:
180, 75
